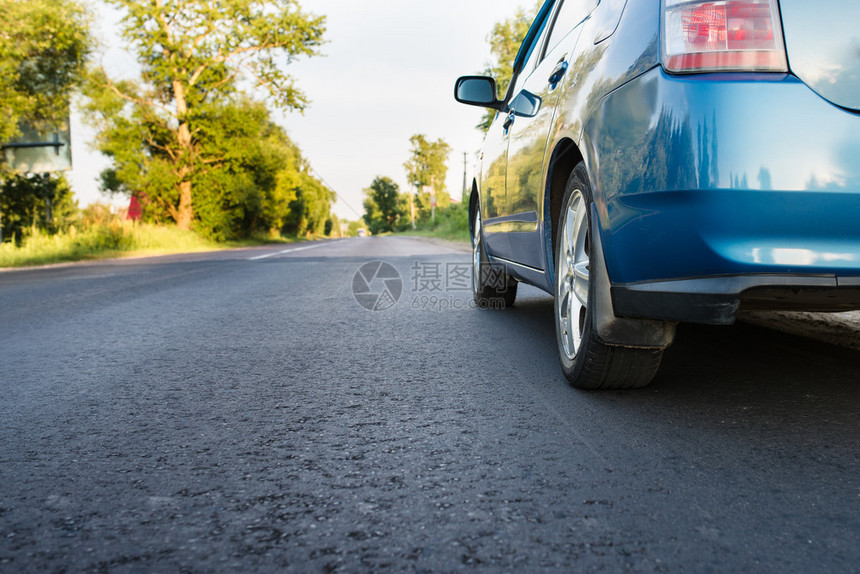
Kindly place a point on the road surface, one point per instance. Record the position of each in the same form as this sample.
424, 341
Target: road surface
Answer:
241, 411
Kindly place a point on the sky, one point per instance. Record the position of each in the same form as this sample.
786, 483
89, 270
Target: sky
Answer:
386, 73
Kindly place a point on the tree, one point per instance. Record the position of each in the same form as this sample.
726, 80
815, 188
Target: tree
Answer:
383, 206
44, 45
194, 55
505, 40
43, 48
428, 167
311, 207
35, 201
332, 226
260, 182
257, 176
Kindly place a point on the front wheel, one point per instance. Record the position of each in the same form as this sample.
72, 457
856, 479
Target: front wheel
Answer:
587, 362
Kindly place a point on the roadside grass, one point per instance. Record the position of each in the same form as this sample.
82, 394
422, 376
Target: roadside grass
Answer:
457, 235
451, 224
115, 239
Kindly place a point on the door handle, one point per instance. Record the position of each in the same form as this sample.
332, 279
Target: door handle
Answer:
509, 121
557, 74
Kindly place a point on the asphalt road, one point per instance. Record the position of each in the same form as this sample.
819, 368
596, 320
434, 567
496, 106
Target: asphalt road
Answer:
241, 411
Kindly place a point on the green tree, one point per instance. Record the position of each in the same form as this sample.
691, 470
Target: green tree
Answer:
332, 226
44, 45
505, 39
258, 182
194, 55
258, 173
383, 207
428, 166
311, 207
35, 201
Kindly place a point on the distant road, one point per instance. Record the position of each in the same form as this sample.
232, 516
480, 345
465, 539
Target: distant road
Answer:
240, 411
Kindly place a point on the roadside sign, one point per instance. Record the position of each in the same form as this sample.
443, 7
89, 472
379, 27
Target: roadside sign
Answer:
39, 151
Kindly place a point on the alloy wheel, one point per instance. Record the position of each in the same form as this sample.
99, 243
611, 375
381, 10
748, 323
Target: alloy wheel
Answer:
572, 283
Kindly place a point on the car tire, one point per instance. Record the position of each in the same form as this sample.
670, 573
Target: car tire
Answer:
492, 288
587, 362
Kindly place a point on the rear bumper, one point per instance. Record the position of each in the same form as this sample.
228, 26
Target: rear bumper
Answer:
717, 300
719, 192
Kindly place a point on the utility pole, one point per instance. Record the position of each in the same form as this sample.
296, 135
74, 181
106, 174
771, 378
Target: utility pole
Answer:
431, 189
412, 205
463, 196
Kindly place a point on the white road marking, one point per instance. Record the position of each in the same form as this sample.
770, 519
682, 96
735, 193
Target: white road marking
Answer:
293, 250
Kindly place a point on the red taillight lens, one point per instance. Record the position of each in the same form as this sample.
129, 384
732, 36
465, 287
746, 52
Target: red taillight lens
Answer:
730, 35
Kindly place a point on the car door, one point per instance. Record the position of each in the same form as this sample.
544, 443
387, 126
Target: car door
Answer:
494, 157
530, 132
495, 210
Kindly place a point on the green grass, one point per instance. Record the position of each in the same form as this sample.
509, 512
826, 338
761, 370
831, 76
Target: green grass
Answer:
447, 234
451, 224
114, 240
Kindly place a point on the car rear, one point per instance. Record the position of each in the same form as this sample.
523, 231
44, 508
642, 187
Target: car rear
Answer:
732, 178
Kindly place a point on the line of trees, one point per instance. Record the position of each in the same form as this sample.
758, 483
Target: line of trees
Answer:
193, 138
387, 209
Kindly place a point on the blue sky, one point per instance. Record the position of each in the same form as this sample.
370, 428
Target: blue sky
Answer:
387, 72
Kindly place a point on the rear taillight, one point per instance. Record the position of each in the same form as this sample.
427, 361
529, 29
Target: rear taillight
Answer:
730, 35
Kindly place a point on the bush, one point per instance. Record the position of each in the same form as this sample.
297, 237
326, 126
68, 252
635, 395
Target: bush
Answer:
41, 202
451, 223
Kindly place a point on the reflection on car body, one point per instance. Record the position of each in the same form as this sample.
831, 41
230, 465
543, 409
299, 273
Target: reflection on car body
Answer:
683, 161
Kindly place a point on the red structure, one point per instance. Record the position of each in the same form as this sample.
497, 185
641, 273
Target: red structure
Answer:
135, 209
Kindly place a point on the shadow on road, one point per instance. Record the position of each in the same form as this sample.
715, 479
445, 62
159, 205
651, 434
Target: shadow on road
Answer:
720, 375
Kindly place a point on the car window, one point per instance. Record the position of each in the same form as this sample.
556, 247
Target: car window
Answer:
525, 59
571, 13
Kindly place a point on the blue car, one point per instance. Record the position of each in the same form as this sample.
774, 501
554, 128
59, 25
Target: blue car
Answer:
656, 162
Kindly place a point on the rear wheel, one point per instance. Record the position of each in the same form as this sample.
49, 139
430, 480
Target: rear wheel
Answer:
491, 288
587, 362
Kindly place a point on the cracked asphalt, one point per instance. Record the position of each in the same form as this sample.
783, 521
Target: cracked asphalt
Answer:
240, 411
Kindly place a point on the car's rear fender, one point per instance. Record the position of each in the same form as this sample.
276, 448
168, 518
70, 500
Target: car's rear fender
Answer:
724, 174
619, 42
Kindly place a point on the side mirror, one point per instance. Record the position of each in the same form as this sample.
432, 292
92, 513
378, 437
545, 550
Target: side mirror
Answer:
526, 104
477, 91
